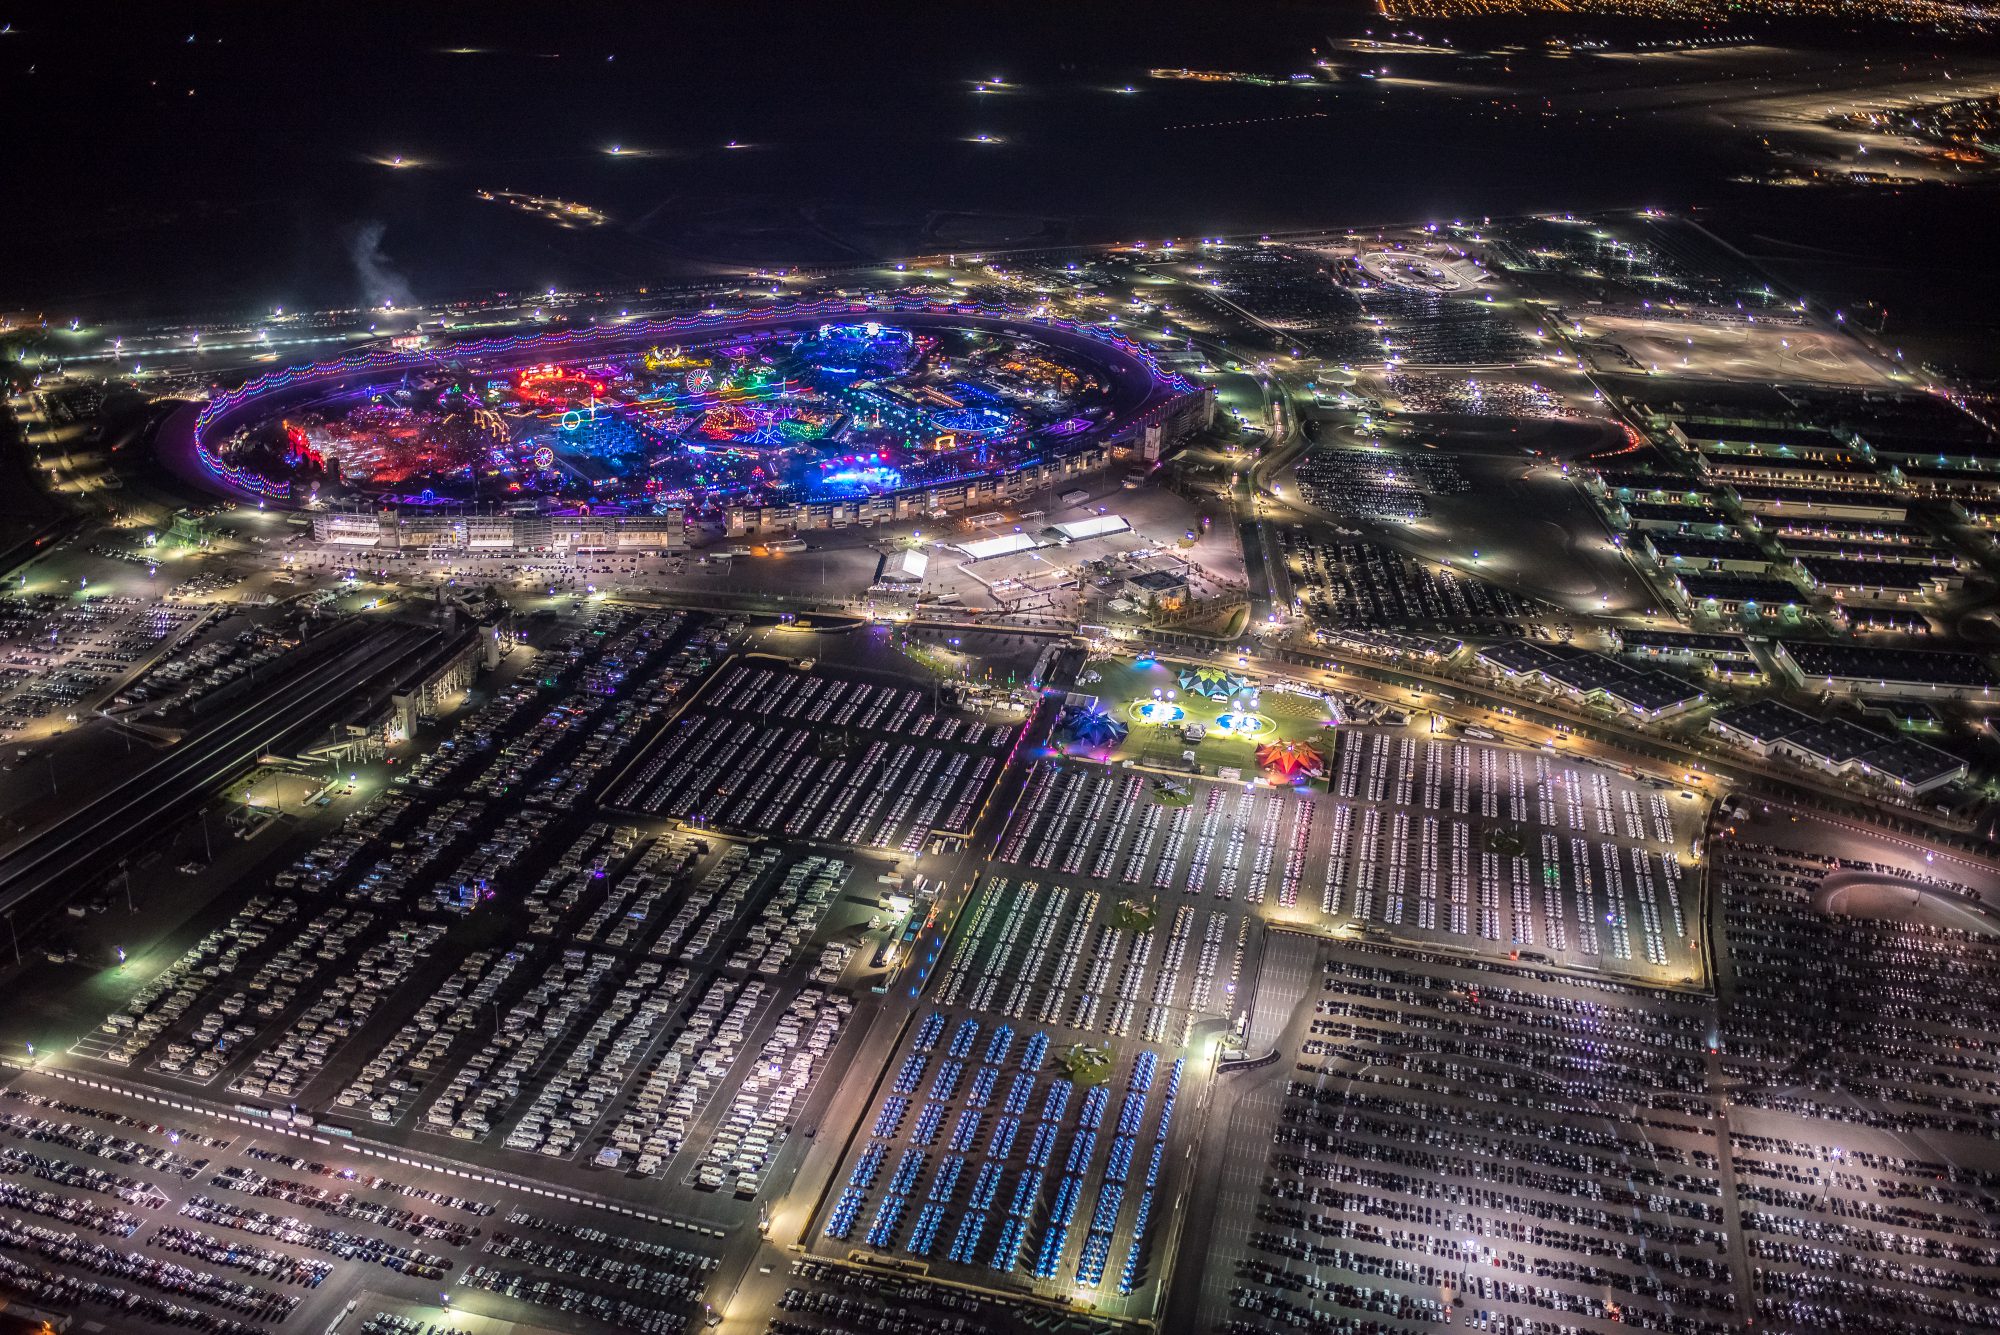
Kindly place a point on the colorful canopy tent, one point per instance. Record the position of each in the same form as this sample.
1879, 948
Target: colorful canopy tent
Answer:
1292, 761
1088, 725
1212, 682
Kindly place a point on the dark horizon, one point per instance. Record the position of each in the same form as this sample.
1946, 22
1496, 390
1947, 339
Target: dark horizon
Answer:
273, 183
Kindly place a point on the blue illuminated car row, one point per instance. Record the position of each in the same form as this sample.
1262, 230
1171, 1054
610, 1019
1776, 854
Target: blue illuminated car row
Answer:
1019, 1091
911, 1073
1080, 1147
965, 1243
890, 1119
1119, 1165
1056, 1237
924, 1236
1128, 1277
1001, 1143
945, 1084
1097, 1241
965, 1131
928, 1121
1013, 1246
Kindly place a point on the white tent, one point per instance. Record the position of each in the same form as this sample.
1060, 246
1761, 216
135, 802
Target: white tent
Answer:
1097, 526
1004, 545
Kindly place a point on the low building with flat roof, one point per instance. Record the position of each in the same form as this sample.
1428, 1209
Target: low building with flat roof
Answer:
1818, 502
1647, 693
1921, 554
1755, 596
1679, 646
1686, 551
446, 531
1736, 671
1948, 480
1878, 581
1849, 473
1756, 724
1702, 520
1963, 451
1654, 694
1768, 437
1651, 488
1517, 658
1875, 532
1884, 619
1162, 586
1768, 728
1861, 670
1914, 767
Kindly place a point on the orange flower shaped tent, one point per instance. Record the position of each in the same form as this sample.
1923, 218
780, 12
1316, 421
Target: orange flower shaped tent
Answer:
1291, 761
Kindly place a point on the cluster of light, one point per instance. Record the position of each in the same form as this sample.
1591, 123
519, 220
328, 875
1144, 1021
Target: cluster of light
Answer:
1241, 724
545, 385
859, 476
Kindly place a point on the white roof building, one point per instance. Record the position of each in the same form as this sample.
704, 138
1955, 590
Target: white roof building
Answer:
906, 567
1097, 526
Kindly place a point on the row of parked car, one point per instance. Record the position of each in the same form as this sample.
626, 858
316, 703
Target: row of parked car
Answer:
773, 1089
282, 1071
391, 1076
155, 1007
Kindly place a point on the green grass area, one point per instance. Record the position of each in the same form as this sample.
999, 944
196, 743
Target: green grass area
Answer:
1123, 685
1135, 915
1086, 1064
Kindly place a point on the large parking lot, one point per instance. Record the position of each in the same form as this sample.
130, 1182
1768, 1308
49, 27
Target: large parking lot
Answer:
1811, 1149
1491, 849
819, 755
1438, 1142
59, 652
478, 965
139, 1211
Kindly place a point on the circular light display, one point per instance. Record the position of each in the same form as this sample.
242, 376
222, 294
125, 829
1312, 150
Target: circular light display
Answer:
1238, 724
693, 414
